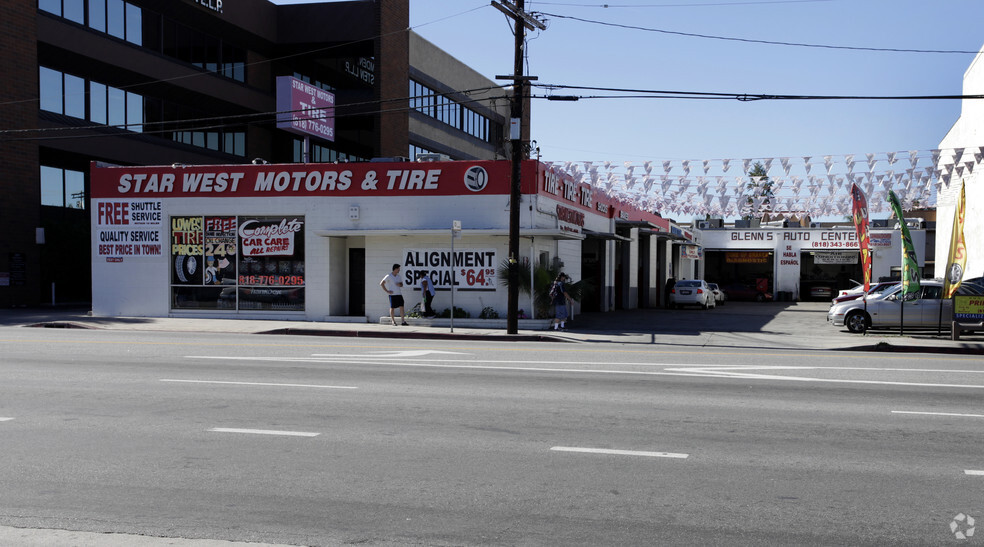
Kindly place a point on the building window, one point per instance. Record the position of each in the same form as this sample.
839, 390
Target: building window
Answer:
62, 187
444, 109
203, 51
322, 154
74, 10
63, 93
97, 103
225, 262
51, 90
97, 15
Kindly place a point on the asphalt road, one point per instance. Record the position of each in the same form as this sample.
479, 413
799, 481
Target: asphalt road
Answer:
305, 441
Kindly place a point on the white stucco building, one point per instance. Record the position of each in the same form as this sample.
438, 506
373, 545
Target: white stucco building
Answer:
967, 137
312, 241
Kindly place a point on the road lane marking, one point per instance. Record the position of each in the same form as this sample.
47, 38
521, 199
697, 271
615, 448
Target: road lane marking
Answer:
975, 472
619, 452
254, 384
938, 414
393, 354
699, 371
263, 432
5, 419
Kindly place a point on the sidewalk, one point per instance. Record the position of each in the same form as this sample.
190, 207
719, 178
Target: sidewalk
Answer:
792, 326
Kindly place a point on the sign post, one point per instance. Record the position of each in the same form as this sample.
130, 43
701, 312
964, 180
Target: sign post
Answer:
455, 234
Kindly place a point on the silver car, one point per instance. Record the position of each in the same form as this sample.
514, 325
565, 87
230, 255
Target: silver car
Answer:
692, 292
921, 310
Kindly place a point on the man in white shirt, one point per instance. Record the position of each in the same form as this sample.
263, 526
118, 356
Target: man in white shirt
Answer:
392, 286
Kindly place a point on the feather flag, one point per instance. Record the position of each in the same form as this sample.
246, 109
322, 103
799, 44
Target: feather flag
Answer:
910, 268
860, 214
957, 259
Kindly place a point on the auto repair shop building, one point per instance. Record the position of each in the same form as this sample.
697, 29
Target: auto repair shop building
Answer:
312, 241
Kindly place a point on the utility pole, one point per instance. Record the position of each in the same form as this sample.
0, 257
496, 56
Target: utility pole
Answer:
523, 21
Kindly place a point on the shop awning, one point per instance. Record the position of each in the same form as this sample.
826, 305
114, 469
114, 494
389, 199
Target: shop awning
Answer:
635, 224
495, 232
606, 235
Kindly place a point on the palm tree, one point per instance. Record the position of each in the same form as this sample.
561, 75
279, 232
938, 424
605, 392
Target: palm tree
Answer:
543, 278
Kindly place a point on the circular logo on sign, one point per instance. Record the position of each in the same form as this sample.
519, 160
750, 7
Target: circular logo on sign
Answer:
954, 273
476, 178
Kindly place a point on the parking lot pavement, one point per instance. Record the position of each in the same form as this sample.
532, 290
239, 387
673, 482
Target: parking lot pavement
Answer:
771, 325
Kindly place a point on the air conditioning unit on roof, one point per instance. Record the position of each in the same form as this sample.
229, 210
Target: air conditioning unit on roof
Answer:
815, 225
703, 225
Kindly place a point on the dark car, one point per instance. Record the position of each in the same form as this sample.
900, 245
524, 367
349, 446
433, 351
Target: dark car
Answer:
740, 291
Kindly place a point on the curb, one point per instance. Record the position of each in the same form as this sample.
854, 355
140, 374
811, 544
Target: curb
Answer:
416, 335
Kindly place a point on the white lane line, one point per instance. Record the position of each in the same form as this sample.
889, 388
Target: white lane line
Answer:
677, 370
5, 419
263, 432
975, 472
254, 384
938, 414
619, 452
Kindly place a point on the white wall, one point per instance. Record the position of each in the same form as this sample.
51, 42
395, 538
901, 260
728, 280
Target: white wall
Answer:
967, 132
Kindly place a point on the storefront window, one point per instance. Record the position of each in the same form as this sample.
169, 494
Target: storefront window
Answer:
245, 263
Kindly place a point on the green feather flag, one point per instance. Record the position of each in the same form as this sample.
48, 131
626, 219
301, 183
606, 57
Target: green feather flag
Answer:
910, 269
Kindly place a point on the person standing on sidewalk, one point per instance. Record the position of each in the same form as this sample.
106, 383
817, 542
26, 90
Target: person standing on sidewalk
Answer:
427, 288
392, 286
560, 299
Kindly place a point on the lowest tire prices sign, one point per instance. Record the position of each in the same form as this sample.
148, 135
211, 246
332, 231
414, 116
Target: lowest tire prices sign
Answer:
473, 269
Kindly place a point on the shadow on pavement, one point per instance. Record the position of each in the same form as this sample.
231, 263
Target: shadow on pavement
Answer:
733, 317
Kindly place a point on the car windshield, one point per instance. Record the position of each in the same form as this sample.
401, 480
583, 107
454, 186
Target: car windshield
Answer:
688, 284
713, 286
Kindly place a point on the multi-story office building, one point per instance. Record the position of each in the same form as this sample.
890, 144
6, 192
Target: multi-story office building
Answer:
159, 82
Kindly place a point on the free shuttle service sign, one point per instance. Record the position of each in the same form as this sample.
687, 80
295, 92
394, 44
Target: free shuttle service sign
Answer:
309, 179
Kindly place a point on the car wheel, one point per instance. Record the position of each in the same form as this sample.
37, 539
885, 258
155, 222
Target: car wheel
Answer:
703, 305
857, 322
760, 297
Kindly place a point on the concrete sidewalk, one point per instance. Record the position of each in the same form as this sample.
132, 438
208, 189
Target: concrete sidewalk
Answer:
792, 326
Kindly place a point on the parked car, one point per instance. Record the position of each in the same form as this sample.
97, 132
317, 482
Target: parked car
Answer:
739, 291
719, 296
921, 311
821, 292
692, 292
876, 289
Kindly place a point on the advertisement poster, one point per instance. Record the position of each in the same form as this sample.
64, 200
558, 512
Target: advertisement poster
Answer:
272, 251
473, 269
747, 257
820, 257
220, 250
129, 229
187, 250
968, 308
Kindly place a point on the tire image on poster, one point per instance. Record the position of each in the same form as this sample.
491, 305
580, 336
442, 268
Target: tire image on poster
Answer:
186, 251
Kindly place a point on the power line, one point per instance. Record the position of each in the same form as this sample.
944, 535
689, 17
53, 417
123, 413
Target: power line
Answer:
706, 4
756, 41
251, 118
745, 97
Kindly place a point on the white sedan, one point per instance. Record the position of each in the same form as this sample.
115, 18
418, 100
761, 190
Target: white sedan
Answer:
921, 310
692, 292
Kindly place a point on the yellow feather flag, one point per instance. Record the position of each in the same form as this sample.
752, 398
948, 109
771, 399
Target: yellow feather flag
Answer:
957, 259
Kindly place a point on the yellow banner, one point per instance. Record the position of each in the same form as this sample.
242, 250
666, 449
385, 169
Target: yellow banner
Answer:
957, 259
